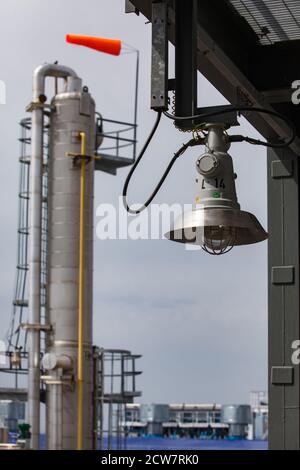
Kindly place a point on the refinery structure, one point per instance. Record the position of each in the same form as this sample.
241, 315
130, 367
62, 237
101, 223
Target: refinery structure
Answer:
89, 392
200, 420
52, 342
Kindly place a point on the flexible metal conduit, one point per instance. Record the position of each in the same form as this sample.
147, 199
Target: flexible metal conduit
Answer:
34, 298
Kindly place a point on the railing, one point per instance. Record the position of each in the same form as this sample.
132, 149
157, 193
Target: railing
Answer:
116, 387
117, 138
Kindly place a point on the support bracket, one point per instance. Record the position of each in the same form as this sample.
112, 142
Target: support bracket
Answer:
35, 327
227, 118
159, 74
130, 8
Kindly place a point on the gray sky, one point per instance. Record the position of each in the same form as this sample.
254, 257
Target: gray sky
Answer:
199, 321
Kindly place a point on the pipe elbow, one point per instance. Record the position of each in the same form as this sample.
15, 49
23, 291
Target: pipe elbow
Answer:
49, 70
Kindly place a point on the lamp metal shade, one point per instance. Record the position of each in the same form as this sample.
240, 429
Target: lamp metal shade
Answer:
212, 225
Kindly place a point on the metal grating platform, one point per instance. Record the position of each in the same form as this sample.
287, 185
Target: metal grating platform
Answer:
272, 20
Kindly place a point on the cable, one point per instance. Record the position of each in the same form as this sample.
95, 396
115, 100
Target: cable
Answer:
132, 170
167, 171
194, 141
250, 140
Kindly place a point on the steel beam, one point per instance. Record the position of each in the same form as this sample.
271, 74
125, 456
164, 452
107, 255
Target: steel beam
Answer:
130, 8
229, 73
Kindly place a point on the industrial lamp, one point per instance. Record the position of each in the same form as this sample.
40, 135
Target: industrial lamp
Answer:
217, 223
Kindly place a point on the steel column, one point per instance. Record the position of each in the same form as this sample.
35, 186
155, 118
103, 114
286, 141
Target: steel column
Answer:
185, 60
284, 325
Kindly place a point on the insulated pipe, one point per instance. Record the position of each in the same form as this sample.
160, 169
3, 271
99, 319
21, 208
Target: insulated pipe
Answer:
34, 262
80, 373
71, 113
57, 418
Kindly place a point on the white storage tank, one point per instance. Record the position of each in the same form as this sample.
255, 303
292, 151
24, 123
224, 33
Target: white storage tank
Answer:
238, 417
154, 415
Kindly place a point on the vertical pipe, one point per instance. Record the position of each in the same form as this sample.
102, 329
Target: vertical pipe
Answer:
35, 274
95, 396
101, 414
34, 259
58, 417
136, 102
80, 372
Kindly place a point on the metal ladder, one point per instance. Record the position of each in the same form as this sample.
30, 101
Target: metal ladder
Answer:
16, 337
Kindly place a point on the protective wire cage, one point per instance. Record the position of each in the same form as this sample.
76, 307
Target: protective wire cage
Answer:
218, 240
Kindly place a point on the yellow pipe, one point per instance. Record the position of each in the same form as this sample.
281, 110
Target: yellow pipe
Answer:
81, 296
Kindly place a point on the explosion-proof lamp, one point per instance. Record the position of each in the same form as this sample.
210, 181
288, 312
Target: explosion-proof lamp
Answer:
216, 224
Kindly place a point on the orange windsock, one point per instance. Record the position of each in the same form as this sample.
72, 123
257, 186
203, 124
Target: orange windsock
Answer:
109, 46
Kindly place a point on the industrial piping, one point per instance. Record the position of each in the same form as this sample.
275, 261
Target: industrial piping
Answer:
80, 371
69, 283
34, 296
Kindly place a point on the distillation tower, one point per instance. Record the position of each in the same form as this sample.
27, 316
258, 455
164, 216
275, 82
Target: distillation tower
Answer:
70, 162
55, 267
